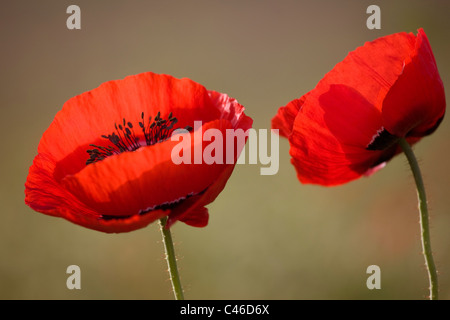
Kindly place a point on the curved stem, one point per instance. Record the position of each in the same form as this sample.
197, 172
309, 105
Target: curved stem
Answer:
424, 223
171, 260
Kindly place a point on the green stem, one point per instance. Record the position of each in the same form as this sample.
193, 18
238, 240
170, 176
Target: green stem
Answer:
171, 260
424, 223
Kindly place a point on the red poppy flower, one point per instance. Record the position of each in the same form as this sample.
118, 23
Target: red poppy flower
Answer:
104, 163
349, 124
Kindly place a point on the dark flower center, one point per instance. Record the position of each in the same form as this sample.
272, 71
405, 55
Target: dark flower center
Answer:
382, 141
125, 139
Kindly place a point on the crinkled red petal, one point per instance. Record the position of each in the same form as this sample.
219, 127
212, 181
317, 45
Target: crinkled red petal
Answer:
285, 117
415, 104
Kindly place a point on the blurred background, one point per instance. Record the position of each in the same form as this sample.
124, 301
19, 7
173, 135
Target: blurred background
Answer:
269, 237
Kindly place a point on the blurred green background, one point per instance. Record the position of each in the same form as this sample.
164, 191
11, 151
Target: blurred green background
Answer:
269, 237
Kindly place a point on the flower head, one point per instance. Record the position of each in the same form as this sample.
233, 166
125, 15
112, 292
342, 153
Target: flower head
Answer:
105, 161
349, 124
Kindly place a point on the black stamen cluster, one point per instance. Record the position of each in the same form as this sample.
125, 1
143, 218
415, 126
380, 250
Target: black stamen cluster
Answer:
124, 138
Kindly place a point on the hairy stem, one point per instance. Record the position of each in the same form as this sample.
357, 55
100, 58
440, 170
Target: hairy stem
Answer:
171, 260
424, 219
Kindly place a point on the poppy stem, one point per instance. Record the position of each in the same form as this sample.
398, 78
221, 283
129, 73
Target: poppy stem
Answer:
424, 220
171, 260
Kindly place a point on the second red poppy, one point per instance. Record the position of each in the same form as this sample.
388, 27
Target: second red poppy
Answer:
349, 125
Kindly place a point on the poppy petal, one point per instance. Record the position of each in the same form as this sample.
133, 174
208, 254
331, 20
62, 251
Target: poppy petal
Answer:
45, 195
196, 218
372, 68
415, 103
196, 214
330, 136
284, 119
